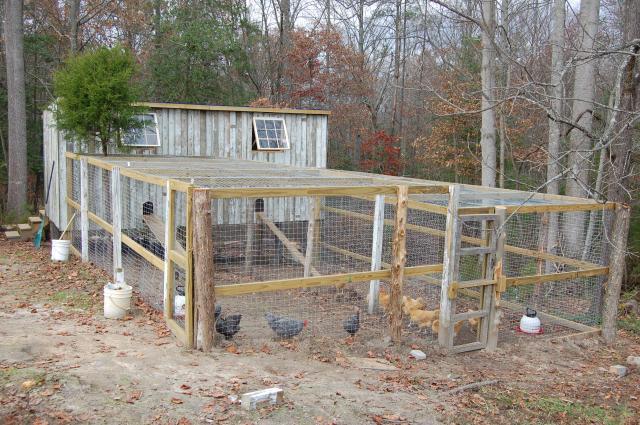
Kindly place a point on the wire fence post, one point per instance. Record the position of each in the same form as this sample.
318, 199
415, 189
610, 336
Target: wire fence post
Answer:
376, 251
84, 209
399, 254
116, 217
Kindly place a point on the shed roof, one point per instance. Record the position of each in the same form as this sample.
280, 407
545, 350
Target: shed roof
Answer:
235, 176
158, 105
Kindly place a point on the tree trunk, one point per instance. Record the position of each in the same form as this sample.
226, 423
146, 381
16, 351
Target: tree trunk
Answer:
203, 267
616, 273
74, 25
505, 21
396, 66
488, 128
582, 115
619, 158
555, 129
17, 115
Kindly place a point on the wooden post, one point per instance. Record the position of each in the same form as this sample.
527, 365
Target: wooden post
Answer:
84, 209
314, 215
399, 259
449, 267
116, 219
494, 308
376, 251
543, 236
168, 246
203, 261
616, 272
251, 229
68, 210
189, 317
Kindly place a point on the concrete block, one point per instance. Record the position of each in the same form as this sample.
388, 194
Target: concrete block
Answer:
619, 370
12, 234
633, 361
34, 220
417, 354
250, 401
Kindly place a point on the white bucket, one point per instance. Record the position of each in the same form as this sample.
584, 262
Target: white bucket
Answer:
117, 300
60, 249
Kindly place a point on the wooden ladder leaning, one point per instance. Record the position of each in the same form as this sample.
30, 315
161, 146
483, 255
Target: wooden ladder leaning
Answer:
486, 289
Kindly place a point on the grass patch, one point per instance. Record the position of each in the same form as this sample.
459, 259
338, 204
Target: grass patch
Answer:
630, 323
73, 298
555, 409
17, 376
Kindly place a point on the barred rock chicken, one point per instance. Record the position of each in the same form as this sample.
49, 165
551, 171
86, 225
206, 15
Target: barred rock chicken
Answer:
352, 324
285, 327
229, 325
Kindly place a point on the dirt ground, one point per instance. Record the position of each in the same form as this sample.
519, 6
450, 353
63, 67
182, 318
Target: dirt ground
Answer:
62, 362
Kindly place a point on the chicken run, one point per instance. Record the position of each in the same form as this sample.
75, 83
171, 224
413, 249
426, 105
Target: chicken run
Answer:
319, 256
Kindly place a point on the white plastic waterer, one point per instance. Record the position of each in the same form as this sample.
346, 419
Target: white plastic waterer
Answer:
530, 323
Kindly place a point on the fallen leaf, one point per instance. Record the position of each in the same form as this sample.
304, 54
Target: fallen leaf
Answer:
27, 385
176, 400
134, 396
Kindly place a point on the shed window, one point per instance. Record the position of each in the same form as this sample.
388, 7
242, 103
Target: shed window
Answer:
270, 134
146, 135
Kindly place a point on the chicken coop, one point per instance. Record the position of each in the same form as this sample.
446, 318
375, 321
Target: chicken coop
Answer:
281, 236
314, 244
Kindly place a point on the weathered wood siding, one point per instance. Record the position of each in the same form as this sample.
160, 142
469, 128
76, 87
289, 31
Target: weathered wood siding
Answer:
210, 133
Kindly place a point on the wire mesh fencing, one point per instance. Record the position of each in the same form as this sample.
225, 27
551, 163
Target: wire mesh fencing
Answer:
284, 242
143, 227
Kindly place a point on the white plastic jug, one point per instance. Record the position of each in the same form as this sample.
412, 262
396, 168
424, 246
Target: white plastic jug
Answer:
530, 323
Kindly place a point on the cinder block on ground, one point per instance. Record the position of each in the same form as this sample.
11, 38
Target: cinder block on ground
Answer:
619, 370
12, 234
34, 220
251, 400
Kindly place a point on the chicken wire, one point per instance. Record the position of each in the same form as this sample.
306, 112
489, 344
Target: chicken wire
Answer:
247, 249
340, 241
142, 216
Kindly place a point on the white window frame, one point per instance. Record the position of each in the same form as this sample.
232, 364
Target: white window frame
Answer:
155, 123
256, 139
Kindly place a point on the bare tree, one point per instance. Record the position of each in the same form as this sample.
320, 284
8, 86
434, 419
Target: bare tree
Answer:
488, 129
582, 115
14, 51
554, 168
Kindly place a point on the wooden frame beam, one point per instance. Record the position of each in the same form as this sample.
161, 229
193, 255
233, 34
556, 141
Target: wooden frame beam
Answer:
325, 280
291, 247
471, 240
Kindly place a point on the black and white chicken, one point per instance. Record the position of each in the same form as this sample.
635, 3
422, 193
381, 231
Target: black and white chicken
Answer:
352, 324
229, 325
285, 327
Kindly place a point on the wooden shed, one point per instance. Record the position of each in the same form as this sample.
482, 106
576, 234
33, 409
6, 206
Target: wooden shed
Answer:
200, 131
